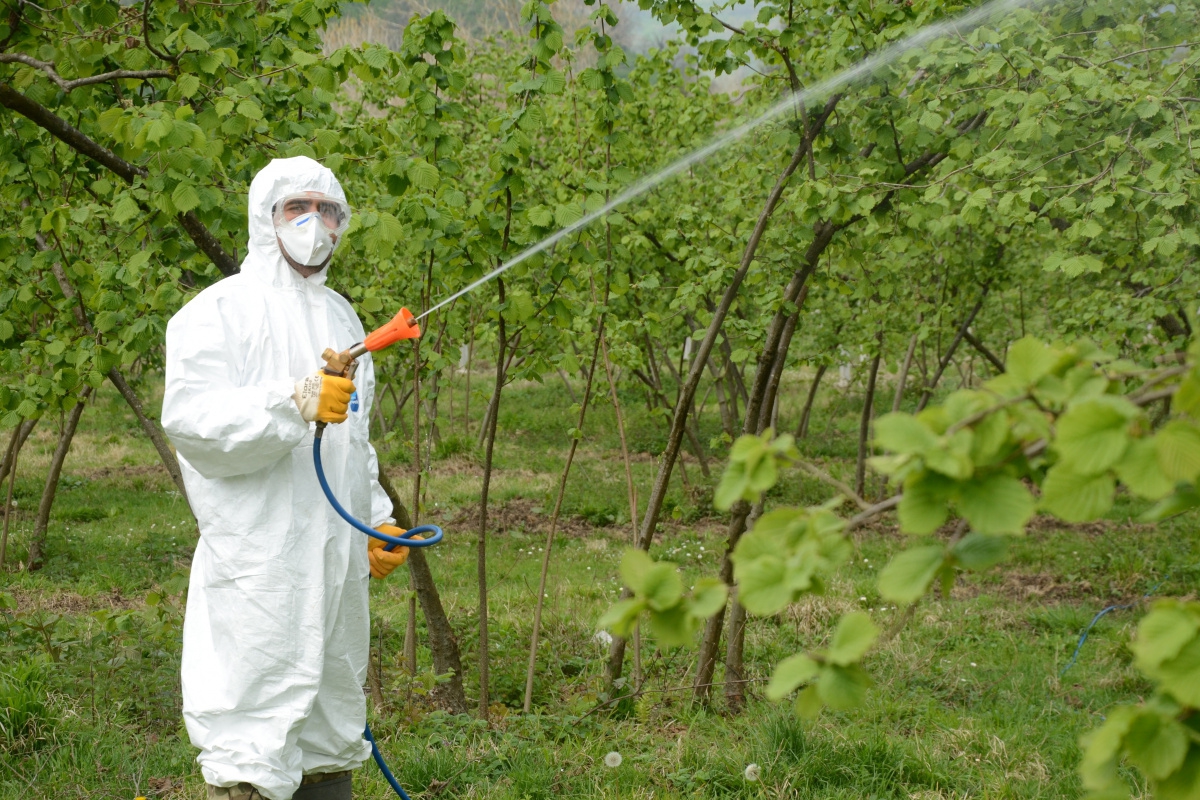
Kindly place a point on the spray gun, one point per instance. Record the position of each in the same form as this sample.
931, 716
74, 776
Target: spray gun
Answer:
343, 365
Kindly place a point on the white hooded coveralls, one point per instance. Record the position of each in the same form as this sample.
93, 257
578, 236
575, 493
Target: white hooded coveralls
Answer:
276, 635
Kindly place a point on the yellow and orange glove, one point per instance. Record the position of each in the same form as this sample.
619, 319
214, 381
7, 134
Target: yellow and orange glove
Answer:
383, 561
323, 398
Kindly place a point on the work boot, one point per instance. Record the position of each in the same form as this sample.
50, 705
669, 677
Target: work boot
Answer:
324, 786
243, 791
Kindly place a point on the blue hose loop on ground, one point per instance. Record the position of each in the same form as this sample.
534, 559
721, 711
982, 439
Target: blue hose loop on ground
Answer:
393, 541
383, 767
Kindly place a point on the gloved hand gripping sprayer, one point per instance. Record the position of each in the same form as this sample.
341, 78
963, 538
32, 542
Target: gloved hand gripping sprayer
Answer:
343, 364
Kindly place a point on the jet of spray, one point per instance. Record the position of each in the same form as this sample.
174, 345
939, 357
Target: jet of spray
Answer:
957, 25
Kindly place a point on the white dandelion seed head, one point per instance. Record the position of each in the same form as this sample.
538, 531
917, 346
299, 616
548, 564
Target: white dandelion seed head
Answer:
753, 772
613, 760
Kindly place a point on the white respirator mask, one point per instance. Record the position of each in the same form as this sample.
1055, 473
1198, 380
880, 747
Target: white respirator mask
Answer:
306, 226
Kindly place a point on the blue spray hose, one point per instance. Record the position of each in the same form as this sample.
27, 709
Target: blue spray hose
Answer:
393, 542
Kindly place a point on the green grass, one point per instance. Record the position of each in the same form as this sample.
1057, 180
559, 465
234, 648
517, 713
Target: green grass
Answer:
969, 701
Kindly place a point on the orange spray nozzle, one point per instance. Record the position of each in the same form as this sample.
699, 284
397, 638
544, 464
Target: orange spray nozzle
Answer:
400, 327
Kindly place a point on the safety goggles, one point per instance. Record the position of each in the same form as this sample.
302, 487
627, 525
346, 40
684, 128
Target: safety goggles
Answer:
335, 214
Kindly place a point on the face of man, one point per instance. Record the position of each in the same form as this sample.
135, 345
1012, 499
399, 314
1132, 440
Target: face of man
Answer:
332, 214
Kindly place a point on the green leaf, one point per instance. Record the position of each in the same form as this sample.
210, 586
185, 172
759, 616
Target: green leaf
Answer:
621, 618
1183, 499
1140, 471
1184, 784
763, 586
1092, 435
708, 597
1102, 746
997, 503
591, 79
250, 109
1029, 360
843, 688
188, 85
924, 506
1181, 675
1178, 445
904, 433
519, 306
567, 214
908, 575
194, 41
991, 433
423, 175
808, 703
541, 216
635, 568
763, 475
791, 673
1156, 744
1076, 498
672, 628
662, 587
125, 209
1162, 634
852, 638
731, 486
185, 198
953, 458
979, 551
1187, 399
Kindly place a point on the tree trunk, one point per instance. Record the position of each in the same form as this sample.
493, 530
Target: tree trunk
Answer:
562, 491
806, 416
688, 390
19, 435
864, 426
481, 560
15, 442
903, 377
693, 428
945, 362
442, 644
37, 544
470, 362
735, 641
152, 429
774, 348
769, 407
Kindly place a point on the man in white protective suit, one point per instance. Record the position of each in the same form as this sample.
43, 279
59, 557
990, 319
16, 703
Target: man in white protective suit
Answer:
276, 635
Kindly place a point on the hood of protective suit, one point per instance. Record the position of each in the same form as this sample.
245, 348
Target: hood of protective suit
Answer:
280, 178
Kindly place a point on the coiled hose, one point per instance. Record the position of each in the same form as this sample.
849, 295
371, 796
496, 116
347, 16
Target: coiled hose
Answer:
393, 542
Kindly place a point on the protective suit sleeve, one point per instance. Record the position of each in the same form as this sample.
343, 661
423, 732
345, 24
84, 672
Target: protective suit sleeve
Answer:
381, 504
220, 428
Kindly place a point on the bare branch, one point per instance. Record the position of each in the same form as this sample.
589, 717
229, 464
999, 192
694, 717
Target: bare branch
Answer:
66, 86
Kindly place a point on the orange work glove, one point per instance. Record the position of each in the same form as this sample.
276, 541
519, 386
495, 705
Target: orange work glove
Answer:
323, 398
384, 561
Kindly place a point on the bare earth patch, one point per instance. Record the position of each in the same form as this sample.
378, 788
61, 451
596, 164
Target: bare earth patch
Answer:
71, 603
